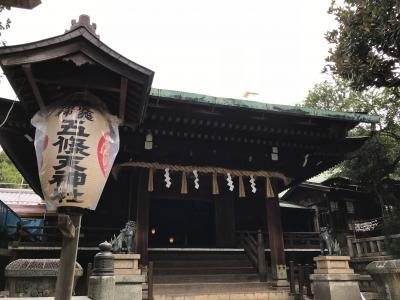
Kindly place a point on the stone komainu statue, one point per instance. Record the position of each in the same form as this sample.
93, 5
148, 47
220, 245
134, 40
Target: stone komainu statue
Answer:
328, 242
125, 241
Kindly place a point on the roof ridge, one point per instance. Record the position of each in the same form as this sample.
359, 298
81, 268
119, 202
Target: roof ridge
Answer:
251, 104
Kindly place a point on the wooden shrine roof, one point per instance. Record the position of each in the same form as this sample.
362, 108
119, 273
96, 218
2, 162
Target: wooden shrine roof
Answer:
309, 143
45, 71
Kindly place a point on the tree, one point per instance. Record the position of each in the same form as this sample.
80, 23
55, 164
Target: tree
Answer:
4, 22
9, 175
366, 45
378, 159
365, 53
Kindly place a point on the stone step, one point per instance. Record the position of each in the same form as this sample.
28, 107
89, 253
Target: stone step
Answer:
188, 270
188, 289
204, 263
271, 295
196, 256
371, 296
210, 278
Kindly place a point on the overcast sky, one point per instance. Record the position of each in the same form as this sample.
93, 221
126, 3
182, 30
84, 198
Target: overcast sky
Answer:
215, 47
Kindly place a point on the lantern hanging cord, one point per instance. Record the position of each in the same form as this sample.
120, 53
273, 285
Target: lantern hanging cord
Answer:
158, 166
8, 113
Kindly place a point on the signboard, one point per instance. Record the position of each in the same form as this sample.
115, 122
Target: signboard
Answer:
75, 148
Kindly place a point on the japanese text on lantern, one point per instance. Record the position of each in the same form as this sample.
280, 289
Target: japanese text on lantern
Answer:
71, 151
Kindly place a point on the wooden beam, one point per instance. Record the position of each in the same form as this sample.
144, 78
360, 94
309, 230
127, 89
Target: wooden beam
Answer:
35, 89
69, 251
122, 98
78, 84
275, 234
142, 217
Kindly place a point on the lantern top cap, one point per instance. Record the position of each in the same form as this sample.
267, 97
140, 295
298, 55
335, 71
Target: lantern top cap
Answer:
105, 246
84, 21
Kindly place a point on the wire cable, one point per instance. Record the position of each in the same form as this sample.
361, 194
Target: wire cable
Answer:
8, 113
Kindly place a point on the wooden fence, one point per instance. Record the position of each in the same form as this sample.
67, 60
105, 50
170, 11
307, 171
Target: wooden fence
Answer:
292, 240
299, 279
370, 247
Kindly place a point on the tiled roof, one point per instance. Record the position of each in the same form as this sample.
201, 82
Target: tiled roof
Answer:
276, 108
20, 197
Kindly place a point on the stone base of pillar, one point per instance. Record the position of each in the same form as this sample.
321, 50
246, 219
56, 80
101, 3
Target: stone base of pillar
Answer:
279, 276
126, 264
101, 287
333, 279
128, 287
280, 283
128, 278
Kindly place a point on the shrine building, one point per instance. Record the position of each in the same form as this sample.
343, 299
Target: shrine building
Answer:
194, 171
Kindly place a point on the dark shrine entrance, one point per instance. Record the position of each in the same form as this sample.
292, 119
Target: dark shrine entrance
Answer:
181, 223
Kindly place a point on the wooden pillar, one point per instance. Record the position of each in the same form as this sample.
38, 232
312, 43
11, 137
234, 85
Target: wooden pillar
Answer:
275, 234
142, 217
224, 221
315, 218
69, 251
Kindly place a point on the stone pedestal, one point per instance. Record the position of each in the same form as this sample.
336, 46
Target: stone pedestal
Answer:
334, 280
128, 278
386, 275
126, 264
280, 277
101, 287
35, 277
102, 279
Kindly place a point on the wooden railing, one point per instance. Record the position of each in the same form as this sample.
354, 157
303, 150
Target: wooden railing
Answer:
371, 246
255, 250
301, 274
50, 235
147, 286
150, 281
301, 240
292, 240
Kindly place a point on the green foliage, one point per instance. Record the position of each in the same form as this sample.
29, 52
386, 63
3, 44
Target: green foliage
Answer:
376, 161
9, 175
366, 45
338, 95
5, 23
379, 158
392, 226
365, 55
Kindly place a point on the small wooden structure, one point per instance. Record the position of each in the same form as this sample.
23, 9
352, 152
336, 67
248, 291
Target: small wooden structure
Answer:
339, 204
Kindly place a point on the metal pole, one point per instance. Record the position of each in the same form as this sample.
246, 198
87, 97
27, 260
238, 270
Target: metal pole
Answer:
65, 278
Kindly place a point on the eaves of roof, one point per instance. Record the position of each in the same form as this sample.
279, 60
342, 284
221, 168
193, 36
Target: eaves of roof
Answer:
65, 65
273, 108
78, 32
287, 204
